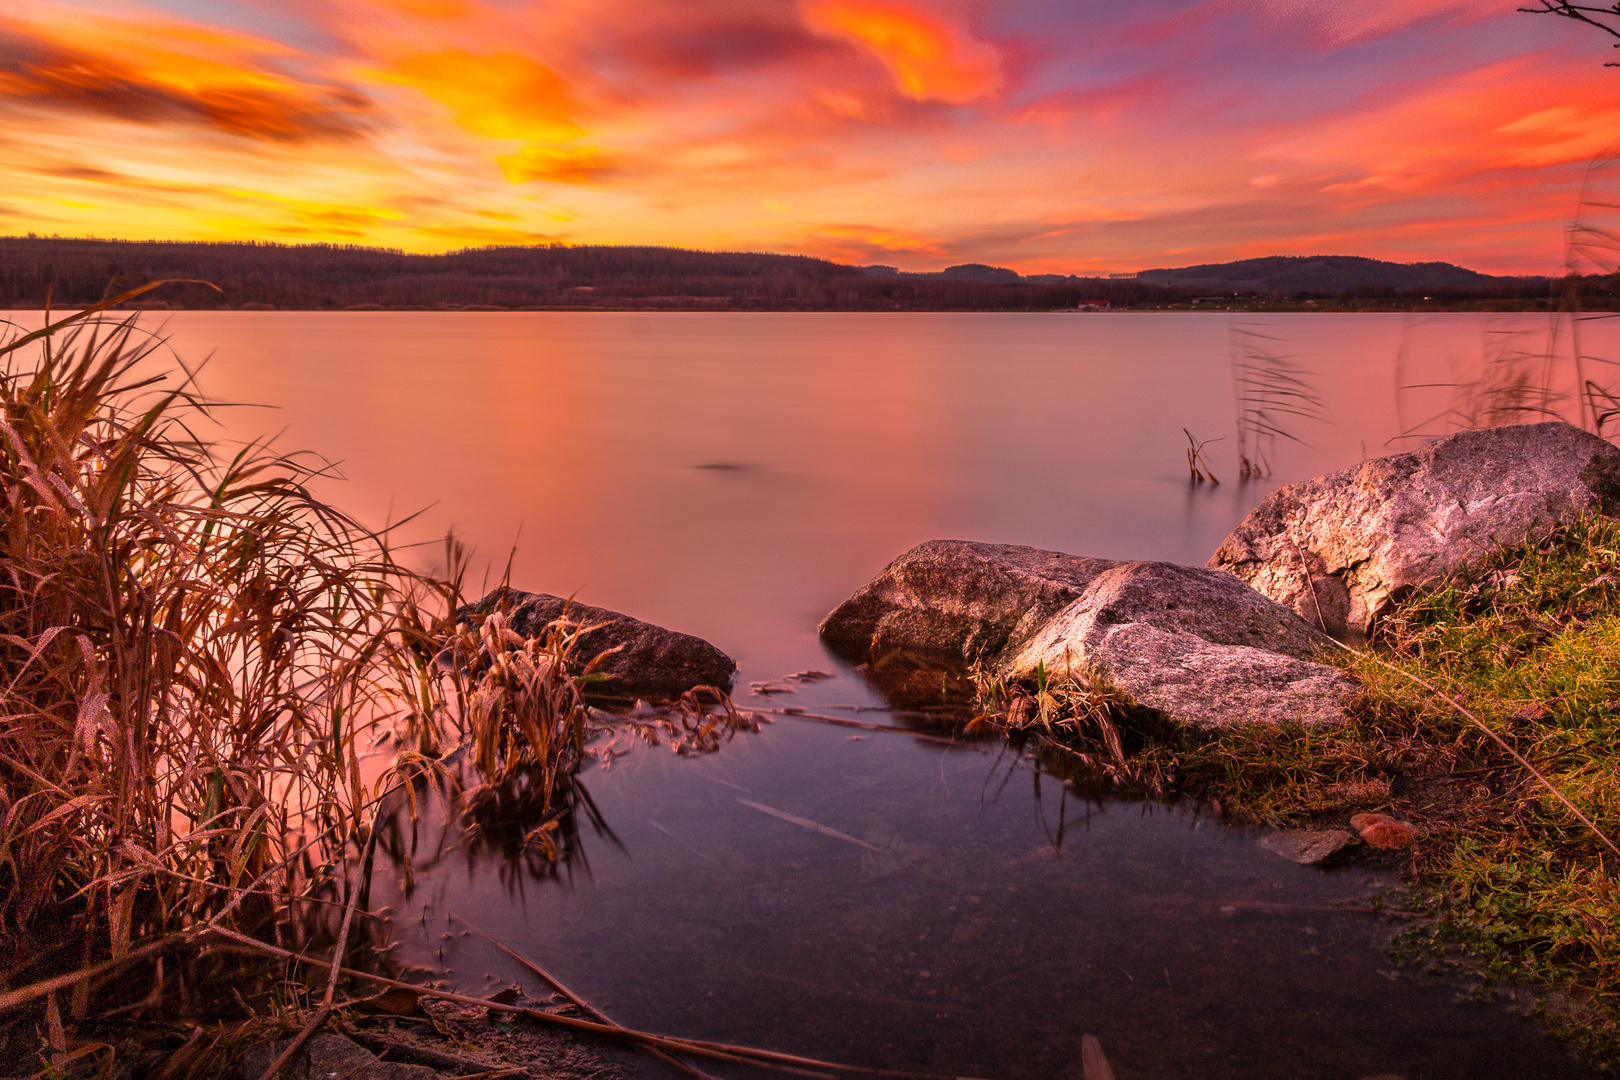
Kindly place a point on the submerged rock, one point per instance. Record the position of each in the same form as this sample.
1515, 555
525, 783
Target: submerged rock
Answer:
1196, 646
328, 1056
1340, 549
1307, 847
650, 661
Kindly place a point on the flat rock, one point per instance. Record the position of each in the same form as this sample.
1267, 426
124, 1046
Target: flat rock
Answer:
1196, 646
325, 1057
1340, 549
1307, 846
651, 662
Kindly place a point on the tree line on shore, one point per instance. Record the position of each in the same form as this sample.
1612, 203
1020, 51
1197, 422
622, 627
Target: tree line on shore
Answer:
76, 272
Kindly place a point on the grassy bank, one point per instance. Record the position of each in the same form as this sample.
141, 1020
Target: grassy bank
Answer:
1519, 888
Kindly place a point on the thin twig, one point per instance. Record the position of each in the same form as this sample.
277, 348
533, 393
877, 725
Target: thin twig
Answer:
384, 1047
864, 725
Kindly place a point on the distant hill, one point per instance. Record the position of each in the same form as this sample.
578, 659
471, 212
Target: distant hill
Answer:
1325, 274
75, 272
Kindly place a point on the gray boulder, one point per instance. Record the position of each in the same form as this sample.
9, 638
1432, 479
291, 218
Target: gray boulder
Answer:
650, 661
958, 599
1340, 549
1196, 646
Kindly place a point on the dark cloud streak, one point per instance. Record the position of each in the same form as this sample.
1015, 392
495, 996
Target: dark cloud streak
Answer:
42, 74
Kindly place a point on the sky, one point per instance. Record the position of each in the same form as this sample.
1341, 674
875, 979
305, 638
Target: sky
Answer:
1048, 136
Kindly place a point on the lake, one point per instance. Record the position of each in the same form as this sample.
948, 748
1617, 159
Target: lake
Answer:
735, 476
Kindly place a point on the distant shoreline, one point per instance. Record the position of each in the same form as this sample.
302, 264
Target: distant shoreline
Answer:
1280, 308
249, 276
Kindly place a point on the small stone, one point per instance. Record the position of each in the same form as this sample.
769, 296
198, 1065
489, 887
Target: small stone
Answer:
1308, 847
1383, 831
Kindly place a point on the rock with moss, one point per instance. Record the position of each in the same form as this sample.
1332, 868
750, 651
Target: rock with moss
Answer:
643, 661
1194, 646
1342, 548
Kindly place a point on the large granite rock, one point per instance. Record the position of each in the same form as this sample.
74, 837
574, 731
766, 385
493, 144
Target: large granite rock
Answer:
1340, 549
650, 661
1193, 645
1196, 646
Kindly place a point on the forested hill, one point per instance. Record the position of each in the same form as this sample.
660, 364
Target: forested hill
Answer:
1332, 275
313, 276
326, 276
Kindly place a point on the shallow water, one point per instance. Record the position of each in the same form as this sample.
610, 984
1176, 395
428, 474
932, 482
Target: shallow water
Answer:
975, 920
736, 476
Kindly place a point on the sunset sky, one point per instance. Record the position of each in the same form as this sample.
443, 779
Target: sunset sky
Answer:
1057, 136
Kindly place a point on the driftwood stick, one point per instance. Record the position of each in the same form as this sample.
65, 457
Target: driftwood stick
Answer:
703, 1048
590, 1010
864, 725
338, 952
438, 1058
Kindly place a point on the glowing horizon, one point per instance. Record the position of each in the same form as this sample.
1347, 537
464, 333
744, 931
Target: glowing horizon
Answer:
1043, 136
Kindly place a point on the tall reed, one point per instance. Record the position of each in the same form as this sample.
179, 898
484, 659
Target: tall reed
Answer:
193, 652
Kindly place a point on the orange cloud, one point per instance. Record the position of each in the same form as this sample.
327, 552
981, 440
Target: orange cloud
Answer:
502, 95
484, 235
928, 60
859, 243
560, 164
173, 88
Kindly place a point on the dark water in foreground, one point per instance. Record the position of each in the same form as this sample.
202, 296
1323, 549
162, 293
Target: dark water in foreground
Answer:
736, 476
984, 922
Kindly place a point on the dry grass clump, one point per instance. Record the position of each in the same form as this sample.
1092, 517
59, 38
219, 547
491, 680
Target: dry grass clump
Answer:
191, 650
194, 655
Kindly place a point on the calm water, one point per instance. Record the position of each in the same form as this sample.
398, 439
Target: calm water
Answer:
736, 476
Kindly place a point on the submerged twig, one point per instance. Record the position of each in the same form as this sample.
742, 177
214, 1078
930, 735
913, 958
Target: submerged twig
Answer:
813, 826
864, 725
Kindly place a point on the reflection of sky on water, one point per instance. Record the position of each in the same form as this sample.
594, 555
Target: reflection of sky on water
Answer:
579, 436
